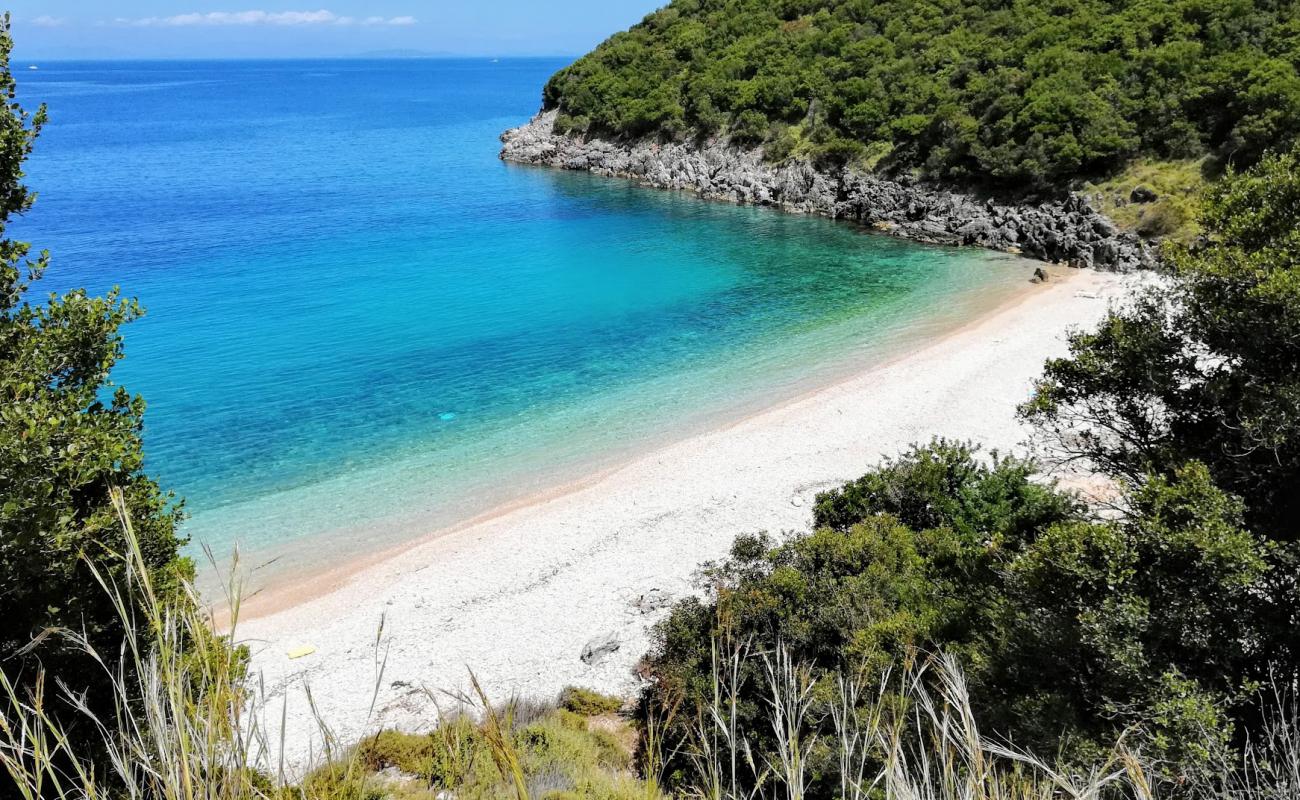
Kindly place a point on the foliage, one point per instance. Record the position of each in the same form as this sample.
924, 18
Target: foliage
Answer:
185, 724
67, 437
558, 753
198, 736
1204, 366
1174, 214
1028, 92
187, 728
412, 753
944, 485
1148, 623
1074, 630
909, 733
169, 719
588, 703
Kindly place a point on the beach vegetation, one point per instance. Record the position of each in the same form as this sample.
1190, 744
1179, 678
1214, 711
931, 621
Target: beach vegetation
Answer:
1153, 618
168, 714
558, 754
190, 728
588, 703
1023, 96
1074, 631
69, 439
1201, 367
1155, 199
185, 722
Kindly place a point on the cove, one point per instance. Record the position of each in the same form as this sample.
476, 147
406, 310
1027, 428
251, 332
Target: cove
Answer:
364, 327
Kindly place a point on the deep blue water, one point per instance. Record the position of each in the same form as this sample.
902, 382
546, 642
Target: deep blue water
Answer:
361, 325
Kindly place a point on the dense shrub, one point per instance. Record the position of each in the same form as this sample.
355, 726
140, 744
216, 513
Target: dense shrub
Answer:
1010, 93
1205, 366
588, 703
1074, 631
67, 437
1157, 619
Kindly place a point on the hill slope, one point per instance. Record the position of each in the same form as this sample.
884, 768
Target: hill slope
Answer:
1002, 93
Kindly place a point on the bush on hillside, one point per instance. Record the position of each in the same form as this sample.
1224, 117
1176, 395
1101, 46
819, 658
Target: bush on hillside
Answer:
588, 703
1023, 95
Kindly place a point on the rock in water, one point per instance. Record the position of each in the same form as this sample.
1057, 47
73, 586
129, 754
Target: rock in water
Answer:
595, 651
1040, 276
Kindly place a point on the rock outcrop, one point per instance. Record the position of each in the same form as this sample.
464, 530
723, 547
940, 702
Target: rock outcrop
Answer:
1067, 230
595, 650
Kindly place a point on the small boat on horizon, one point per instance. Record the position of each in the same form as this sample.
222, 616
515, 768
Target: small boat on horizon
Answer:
33, 66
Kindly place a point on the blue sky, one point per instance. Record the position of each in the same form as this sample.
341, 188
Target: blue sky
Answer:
275, 28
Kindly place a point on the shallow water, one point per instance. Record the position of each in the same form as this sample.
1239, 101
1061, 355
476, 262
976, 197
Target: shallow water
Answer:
362, 326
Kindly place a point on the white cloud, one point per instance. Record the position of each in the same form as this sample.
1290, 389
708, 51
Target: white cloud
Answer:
393, 21
46, 21
285, 18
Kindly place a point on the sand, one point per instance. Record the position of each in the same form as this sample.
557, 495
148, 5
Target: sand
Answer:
516, 595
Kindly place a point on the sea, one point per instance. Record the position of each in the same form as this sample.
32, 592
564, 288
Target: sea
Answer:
363, 328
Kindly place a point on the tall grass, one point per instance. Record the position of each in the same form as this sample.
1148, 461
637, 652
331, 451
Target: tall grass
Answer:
1269, 767
186, 722
789, 707
907, 734
189, 724
499, 729
718, 757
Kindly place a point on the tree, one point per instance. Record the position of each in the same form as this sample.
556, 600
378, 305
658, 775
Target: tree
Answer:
1150, 622
910, 555
1074, 631
67, 436
1022, 96
1206, 366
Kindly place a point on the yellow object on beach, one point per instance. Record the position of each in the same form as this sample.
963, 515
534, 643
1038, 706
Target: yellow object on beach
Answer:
299, 652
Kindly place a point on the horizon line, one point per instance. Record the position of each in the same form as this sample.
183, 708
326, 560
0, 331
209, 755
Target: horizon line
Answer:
21, 58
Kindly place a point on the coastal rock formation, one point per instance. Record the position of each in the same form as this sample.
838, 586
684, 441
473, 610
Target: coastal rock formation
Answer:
1068, 230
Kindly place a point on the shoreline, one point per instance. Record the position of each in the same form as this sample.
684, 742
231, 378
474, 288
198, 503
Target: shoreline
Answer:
1068, 231
297, 586
518, 592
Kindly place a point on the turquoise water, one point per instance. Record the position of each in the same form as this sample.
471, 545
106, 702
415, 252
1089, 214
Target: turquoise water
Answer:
362, 326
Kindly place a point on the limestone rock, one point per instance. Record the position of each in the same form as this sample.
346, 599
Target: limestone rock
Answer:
652, 601
1067, 229
595, 650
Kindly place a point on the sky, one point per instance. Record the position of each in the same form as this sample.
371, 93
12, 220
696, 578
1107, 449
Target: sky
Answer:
54, 29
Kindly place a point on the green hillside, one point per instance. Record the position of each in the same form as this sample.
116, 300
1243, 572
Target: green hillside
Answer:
1016, 93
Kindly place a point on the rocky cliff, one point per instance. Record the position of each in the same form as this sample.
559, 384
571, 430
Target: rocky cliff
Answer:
1066, 230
